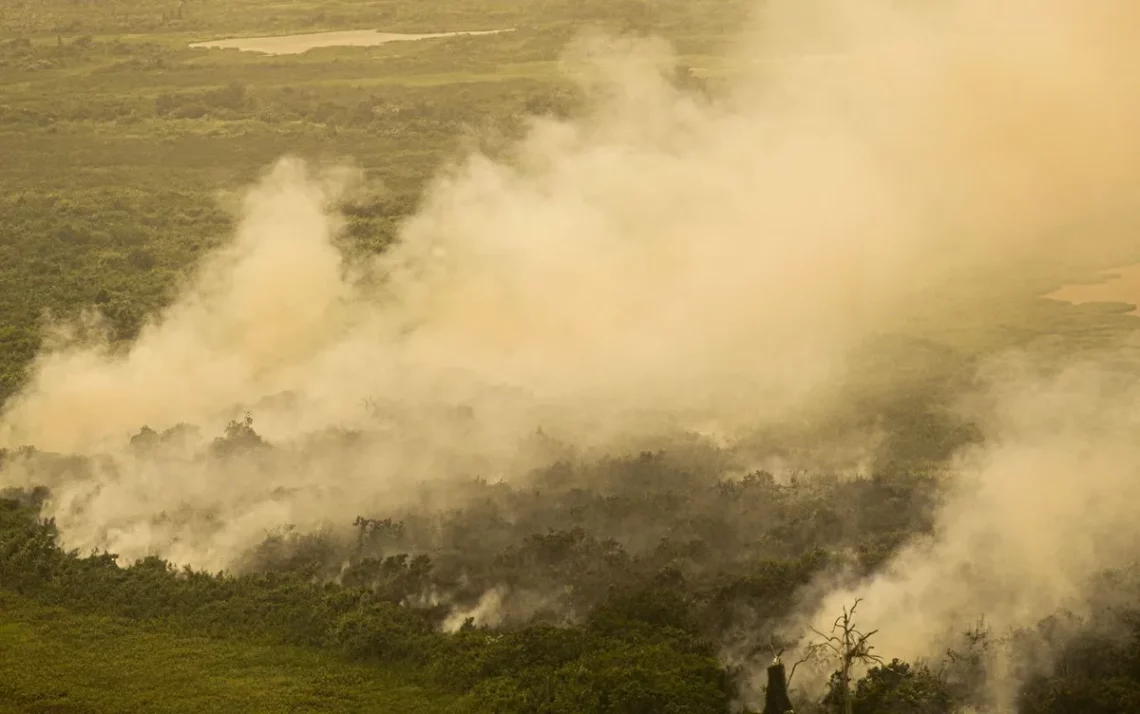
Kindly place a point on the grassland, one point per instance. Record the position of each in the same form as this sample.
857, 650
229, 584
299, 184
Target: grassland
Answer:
53, 660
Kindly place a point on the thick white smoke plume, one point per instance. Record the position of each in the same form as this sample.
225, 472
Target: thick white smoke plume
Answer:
666, 262
1032, 518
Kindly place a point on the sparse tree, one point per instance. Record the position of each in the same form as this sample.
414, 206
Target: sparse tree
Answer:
850, 646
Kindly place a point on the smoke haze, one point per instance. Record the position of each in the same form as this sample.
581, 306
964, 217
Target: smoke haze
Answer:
666, 262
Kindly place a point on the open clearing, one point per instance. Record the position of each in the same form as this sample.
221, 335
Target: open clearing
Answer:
59, 661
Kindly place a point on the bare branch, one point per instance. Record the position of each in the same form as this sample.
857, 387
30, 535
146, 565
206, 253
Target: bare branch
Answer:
811, 650
830, 642
849, 645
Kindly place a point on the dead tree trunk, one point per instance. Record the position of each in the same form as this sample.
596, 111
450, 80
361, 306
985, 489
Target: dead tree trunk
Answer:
850, 646
776, 699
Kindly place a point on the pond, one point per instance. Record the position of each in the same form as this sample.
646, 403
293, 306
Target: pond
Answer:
1118, 285
296, 44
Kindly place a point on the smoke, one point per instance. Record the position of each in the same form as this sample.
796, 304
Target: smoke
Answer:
665, 262
260, 307
1029, 522
500, 605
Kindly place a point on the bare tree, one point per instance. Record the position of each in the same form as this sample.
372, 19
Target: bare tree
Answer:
850, 646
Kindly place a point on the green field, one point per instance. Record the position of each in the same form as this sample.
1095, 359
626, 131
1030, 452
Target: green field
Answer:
57, 661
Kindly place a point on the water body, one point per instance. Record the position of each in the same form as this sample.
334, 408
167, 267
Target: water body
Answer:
296, 44
1119, 285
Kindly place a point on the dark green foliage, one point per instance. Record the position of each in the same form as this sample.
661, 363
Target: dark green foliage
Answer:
639, 654
1089, 696
899, 688
616, 678
642, 623
1098, 665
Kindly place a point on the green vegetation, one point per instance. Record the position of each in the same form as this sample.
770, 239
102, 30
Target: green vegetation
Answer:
55, 660
638, 650
642, 627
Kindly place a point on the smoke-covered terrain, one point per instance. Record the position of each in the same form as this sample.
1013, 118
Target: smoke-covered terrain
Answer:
683, 368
